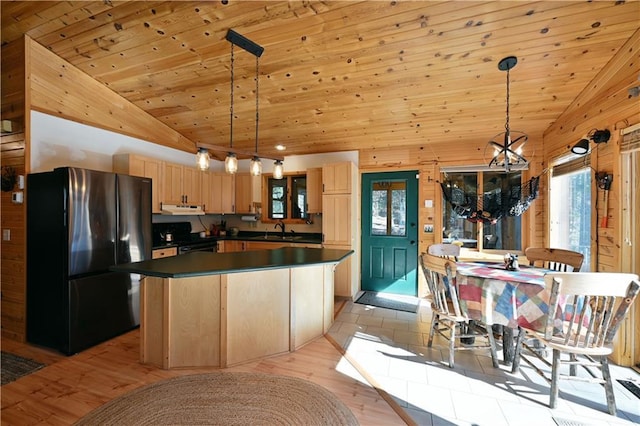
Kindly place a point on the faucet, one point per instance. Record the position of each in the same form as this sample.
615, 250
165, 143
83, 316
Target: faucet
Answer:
281, 225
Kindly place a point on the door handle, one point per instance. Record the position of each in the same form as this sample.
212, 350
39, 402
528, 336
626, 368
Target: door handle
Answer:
412, 224
412, 242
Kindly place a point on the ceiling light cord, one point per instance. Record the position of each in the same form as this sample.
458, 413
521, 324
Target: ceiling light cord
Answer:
231, 105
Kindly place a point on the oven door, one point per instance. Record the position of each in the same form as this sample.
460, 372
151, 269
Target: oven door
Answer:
210, 247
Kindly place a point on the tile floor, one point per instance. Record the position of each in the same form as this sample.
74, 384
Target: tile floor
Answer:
390, 346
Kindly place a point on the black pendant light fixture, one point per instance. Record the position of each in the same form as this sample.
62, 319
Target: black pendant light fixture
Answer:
231, 160
507, 146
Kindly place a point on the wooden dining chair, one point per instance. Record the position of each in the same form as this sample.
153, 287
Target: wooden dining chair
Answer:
560, 260
585, 312
446, 250
448, 320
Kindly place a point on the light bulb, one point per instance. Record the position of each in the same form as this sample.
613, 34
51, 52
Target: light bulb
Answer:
231, 163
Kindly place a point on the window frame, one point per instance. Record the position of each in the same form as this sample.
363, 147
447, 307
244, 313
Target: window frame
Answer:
480, 175
266, 197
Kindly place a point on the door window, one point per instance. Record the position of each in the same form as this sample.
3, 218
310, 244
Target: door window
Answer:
389, 208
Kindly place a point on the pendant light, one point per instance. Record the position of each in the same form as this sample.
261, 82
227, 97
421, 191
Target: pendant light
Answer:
202, 159
231, 162
508, 153
278, 170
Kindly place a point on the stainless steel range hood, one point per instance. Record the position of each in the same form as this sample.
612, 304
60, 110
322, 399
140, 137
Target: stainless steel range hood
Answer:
181, 209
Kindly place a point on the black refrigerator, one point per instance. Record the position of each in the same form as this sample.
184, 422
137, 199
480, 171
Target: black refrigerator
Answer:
80, 223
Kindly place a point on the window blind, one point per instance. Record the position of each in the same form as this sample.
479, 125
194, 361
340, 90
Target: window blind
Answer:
630, 141
572, 166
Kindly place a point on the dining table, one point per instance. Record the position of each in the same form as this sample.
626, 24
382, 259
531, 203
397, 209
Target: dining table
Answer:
490, 293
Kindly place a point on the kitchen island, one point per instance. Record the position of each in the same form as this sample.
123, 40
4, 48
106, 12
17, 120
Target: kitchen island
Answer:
221, 309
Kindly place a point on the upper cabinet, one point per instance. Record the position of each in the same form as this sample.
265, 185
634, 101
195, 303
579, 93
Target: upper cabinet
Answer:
314, 190
218, 192
336, 178
248, 191
181, 184
136, 165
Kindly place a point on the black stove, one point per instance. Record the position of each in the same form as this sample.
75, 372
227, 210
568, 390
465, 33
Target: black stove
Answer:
182, 236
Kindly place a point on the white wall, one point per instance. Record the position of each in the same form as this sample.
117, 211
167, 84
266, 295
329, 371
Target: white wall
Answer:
56, 142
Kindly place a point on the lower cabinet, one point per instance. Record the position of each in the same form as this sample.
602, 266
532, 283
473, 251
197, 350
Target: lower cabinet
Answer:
343, 279
164, 252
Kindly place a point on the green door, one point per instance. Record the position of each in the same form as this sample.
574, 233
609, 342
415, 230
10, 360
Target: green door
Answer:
390, 232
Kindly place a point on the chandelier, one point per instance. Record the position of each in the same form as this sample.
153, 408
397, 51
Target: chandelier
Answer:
507, 146
231, 160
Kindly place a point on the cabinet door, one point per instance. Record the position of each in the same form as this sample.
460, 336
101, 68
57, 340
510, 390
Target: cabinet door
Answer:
227, 193
172, 184
244, 193
192, 185
153, 170
136, 165
314, 190
336, 219
342, 276
336, 178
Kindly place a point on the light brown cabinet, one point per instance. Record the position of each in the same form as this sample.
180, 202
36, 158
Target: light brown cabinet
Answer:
340, 228
337, 178
137, 165
164, 252
314, 190
247, 192
336, 219
181, 184
218, 192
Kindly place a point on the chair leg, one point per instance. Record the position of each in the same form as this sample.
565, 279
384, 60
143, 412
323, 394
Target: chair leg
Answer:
573, 368
608, 385
452, 343
555, 376
518, 349
492, 346
434, 324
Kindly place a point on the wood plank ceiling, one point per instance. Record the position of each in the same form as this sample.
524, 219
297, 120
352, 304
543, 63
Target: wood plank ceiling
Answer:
335, 75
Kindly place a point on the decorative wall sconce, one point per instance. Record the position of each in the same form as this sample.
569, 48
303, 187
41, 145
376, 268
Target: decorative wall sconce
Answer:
597, 136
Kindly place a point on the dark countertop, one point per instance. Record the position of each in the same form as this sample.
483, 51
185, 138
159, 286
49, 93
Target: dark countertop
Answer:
275, 237
205, 263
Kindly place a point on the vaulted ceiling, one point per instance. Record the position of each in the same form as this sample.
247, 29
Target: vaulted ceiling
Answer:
335, 75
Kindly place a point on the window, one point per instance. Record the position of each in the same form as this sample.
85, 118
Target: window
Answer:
287, 197
570, 208
502, 234
388, 208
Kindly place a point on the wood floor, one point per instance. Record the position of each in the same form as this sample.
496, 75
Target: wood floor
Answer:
70, 387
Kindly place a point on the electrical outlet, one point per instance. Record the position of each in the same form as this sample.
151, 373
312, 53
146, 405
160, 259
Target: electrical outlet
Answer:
6, 234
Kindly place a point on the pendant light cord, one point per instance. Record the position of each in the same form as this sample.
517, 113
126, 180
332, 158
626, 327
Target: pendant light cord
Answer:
506, 126
231, 107
257, 61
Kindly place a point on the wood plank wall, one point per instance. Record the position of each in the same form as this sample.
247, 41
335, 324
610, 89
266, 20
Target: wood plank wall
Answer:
604, 104
12, 149
429, 159
58, 88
